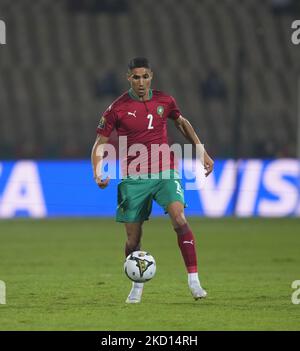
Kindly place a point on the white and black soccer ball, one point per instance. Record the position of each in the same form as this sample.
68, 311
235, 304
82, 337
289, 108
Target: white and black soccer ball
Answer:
140, 266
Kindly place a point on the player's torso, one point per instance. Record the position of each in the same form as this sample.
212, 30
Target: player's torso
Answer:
143, 121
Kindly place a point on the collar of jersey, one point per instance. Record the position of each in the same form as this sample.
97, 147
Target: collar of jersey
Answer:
131, 94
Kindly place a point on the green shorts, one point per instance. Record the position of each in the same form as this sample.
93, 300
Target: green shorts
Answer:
135, 196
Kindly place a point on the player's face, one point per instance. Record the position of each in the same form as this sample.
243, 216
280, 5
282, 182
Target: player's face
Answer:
140, 81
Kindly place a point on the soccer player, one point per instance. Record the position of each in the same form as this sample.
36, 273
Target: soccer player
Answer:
141, 115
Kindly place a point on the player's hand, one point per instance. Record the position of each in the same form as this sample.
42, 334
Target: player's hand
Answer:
102, 184
208, 164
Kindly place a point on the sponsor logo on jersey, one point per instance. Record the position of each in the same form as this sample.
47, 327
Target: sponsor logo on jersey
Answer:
160, 110
132, 113
102, 122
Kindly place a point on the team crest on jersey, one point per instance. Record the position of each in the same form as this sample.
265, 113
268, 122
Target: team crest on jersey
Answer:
102, 122
160, 110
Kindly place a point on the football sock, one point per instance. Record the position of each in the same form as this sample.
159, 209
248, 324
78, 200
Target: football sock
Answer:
186, 243
193, 279
137, 285
136, 292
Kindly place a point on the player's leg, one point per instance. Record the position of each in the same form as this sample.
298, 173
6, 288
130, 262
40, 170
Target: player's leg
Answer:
134, 235
134, 207
187, 245
170, 196
133, 243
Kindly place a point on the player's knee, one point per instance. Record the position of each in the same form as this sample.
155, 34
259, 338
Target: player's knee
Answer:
179, 219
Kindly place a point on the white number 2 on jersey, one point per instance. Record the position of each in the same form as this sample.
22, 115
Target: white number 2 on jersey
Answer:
150, 117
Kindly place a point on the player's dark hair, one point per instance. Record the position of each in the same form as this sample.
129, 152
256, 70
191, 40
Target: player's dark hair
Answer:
138, 62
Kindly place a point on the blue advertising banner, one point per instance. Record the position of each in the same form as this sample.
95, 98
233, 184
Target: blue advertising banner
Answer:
66, 188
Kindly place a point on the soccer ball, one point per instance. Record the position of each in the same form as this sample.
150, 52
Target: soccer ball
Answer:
140, 266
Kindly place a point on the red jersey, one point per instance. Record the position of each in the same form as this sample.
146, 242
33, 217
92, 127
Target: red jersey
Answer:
144, 123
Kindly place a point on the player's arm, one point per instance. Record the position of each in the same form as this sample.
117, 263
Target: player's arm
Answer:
97, 159
185, 127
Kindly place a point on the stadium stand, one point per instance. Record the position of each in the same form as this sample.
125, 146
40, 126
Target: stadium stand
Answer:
55, 53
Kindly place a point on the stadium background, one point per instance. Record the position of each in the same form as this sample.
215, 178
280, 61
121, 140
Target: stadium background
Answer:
231, 66
234, 71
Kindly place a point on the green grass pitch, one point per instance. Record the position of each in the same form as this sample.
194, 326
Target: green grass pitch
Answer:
67, 274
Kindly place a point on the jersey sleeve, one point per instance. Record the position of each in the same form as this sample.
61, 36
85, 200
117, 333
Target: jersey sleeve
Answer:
174, 111
107, 123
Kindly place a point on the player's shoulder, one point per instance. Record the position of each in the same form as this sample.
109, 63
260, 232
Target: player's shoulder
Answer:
118, 102
162, 96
